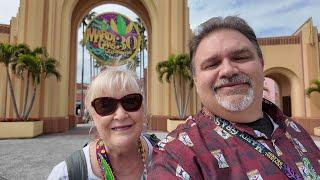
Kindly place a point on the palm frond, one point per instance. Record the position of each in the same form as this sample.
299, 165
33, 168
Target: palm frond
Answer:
315, 88
317, 83
176, 69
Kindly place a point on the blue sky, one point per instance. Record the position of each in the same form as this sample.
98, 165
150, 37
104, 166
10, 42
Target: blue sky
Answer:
266, 17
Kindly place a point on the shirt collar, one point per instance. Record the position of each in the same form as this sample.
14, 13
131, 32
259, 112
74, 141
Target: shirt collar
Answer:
276, 116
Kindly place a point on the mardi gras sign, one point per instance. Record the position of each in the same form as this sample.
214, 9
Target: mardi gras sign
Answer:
112, 37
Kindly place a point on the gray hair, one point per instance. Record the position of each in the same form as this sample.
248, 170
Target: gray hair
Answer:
111, 81
217, 23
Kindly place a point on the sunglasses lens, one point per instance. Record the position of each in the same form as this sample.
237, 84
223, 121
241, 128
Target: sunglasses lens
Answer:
131, 102
104, 106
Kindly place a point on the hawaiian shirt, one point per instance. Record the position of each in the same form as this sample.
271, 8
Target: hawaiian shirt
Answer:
199, 149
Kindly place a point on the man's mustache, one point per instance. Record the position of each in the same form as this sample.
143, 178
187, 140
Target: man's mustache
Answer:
236, 79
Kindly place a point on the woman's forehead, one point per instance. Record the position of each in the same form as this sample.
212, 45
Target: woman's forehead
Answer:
116, 93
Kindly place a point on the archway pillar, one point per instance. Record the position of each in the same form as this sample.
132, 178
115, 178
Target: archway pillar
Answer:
297, 98
170, 35
28, 28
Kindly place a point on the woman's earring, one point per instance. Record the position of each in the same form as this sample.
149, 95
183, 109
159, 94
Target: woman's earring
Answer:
92, 126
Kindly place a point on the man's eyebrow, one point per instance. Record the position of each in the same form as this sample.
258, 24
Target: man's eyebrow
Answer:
241, 51
209, 59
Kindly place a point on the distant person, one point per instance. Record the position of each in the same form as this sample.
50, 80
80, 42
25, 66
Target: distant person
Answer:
86, 116
78, 111
115, 103
237, 134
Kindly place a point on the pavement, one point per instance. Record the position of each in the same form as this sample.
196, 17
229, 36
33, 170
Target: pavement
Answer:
34, 158
316, 140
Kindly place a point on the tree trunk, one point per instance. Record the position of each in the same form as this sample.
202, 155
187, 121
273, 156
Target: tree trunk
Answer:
188, 98
90, 68
82, 72
25, 97
144, 78
12, 95
181, 95
5, 101
31, 103
143, 63
176, 96
140, 54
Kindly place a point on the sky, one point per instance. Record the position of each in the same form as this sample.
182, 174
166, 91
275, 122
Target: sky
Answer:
8, 9
266, 17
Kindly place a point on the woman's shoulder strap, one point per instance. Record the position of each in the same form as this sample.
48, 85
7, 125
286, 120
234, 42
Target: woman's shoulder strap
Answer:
77, 166
153, 139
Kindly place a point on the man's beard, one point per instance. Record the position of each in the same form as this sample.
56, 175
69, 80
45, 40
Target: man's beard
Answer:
243, 101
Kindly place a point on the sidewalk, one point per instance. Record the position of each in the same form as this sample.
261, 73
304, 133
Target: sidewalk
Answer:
34, 158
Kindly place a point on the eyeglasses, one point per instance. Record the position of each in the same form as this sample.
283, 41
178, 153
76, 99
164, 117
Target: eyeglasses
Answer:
105, 106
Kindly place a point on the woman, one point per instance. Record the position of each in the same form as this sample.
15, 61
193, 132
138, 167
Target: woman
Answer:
114, 101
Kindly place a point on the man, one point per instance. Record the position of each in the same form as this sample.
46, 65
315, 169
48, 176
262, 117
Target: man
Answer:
237, 134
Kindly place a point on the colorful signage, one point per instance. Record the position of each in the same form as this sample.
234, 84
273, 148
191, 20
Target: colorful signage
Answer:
112, 37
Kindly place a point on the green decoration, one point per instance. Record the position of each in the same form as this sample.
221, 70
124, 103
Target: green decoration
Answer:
121, 25
107, 170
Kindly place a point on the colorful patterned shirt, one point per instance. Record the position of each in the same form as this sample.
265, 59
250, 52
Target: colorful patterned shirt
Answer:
199, 149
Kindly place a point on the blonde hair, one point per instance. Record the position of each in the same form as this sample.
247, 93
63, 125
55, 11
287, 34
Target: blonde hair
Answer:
112, 81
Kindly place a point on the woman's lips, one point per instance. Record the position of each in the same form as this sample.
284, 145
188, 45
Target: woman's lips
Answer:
121, 128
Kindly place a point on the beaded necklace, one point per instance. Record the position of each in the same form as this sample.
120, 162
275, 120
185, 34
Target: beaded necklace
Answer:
107, 171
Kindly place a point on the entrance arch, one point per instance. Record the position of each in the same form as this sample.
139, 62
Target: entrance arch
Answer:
168, 33
271, 91
290, 90
83, 7
53, 24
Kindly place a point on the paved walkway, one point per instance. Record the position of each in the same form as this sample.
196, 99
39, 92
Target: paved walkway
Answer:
34, 158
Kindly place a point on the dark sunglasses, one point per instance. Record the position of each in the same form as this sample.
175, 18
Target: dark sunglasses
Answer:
105, 106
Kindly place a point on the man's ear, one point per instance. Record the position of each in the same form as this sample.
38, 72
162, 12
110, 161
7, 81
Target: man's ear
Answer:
194, 79
195, 83
262, 62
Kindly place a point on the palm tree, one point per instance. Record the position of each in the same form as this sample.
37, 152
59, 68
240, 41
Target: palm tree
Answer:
9, 54
88, 18
37, 66
84, 23
18, 68
143, 44
315, 88
134, 63
29, 64
176, 69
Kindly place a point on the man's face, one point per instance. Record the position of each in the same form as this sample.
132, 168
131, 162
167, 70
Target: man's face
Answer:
228, 71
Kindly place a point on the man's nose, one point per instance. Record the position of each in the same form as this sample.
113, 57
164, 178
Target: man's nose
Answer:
120, 113
228, 69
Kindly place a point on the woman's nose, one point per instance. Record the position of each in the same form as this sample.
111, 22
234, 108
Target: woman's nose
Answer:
120, 113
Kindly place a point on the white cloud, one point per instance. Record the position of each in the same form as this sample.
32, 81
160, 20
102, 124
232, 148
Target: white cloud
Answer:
268, 18
115, 8
8, 9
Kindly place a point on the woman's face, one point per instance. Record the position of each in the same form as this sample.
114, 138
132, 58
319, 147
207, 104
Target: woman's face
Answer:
121, 128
